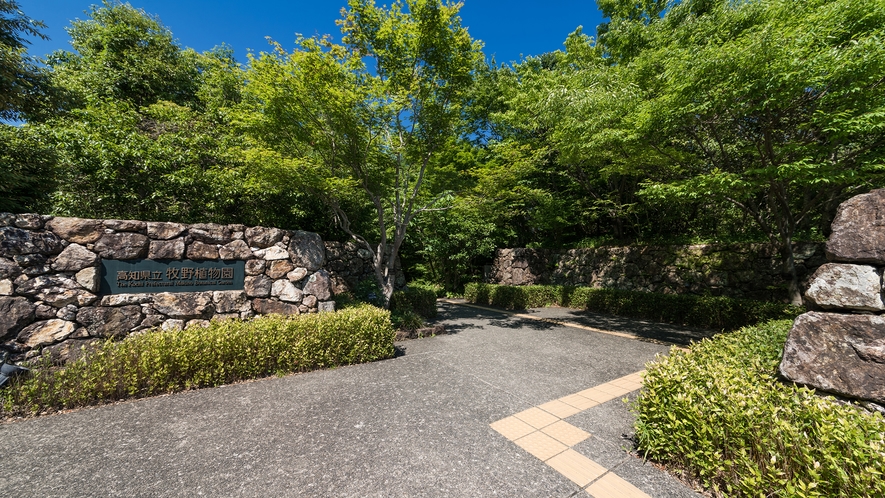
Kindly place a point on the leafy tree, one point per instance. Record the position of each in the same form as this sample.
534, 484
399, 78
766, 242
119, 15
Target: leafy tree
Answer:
23, 84
347, 131
27, 161
772, 106
124, 54
147, 132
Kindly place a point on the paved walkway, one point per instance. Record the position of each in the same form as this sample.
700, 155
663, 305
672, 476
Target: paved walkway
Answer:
505, 405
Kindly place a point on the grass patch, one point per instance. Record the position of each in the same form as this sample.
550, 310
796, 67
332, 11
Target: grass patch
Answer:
712, 312
719, 415
158, 362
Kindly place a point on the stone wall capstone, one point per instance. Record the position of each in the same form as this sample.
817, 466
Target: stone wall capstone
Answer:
751, 271
839, 347
50, 292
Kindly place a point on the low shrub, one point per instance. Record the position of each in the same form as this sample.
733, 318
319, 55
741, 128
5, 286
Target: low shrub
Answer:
722, 313
406, 320
419, 299
719, 414
156, 362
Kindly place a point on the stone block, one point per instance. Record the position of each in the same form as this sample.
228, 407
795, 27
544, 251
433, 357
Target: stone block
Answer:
76, 230
110, 321
184, 305
74, 258
286, 291
56, 290
15, 314
197, 323
6, 287
68, 313
255, 266
125, 299
297, 274
211, 233
262, 237
173, 324
29, 221
320, 285
230, 301
125, 225
837, 353
258, 286
122, 246
237, 249
166, 249
274, 253
845, 286
326, 306
201, 251
46, 332
164, 231
272, 306
15, 241
9, 269
858, 230
279, 268
307, 250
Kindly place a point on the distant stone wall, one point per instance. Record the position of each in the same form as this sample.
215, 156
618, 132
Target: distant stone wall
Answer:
751, 271
50, 277
840, 346
350, 264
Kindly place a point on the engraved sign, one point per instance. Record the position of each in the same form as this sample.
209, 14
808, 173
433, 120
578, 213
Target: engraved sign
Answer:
164, 275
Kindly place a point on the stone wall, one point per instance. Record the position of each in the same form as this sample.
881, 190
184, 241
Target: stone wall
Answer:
348, 264
751, 271
50, 297
840, 346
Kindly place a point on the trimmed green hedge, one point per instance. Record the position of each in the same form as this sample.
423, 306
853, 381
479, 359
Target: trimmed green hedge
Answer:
720, 415
721, 313
157, 362
417, 298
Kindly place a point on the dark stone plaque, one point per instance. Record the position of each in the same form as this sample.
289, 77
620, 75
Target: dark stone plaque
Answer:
164, 275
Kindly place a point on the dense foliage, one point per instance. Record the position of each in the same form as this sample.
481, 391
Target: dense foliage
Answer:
720, 415
691, 120
157, 362
712, 312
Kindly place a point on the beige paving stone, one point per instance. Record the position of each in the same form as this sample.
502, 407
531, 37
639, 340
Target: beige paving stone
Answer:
536, 417
576, 467
541, 445
512, 428
597, 395
565, 433
612, 486
579, 402
558, 408
612, 389
626, 384
634, 377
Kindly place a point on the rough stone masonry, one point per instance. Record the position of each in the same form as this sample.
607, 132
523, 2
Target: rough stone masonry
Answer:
840, 346
50, 299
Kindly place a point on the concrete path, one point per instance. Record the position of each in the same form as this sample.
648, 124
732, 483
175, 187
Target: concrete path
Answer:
503, 406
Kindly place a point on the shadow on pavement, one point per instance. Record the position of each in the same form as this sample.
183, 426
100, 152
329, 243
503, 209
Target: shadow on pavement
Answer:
455, 316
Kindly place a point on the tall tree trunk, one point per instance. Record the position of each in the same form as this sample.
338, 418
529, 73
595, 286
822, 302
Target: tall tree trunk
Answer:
795, 293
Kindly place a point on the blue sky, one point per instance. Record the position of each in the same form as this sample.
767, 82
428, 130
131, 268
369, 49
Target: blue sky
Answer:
509, 29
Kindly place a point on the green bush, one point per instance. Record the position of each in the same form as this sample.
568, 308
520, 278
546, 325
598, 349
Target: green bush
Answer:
157, 362
415, 298
720, 415
721, 313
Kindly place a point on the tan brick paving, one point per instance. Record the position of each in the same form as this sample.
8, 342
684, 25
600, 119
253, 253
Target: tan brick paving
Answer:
541, 431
